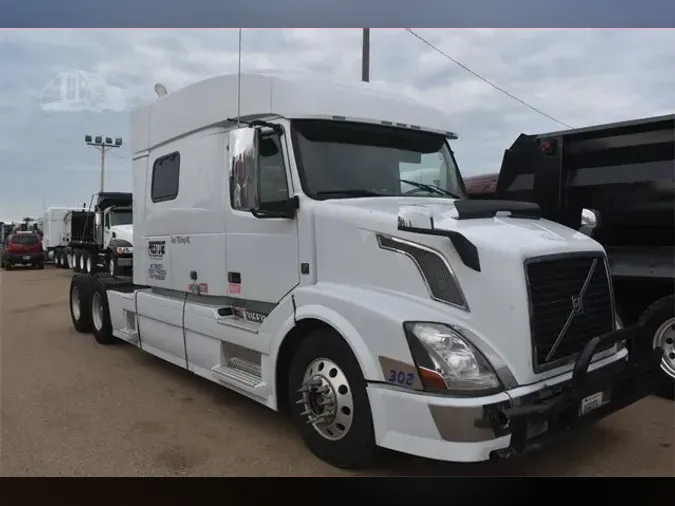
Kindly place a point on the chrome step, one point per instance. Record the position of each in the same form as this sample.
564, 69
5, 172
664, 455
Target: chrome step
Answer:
231, 374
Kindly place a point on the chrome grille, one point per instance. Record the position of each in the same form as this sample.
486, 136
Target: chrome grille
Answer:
570, 303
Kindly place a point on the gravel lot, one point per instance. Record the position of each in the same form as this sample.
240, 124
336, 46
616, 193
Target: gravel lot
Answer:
71, 407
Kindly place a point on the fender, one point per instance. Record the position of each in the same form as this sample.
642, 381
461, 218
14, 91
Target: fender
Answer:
119, 243
371, 371
352, 312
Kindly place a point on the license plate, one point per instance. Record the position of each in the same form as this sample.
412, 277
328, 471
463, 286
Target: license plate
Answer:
26, 258
591, 402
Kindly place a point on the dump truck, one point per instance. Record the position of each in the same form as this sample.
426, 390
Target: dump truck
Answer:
616, 183
101, 237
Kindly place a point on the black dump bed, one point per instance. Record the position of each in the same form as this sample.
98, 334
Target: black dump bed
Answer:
82, 226
113, 199
625, 171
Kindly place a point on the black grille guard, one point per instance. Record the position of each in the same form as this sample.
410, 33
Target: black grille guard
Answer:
629, 381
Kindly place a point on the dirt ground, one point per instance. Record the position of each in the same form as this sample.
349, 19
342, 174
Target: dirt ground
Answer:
70, 407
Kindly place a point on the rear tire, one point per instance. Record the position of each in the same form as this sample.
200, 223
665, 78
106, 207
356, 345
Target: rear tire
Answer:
346, 438
657, 329
80, 303
100, 313
76, 260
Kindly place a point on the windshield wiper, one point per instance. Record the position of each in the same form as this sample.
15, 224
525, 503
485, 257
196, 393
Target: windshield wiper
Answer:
350, 193
431, 188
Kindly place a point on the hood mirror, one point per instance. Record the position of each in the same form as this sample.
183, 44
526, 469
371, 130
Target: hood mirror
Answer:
590, 218
415, 218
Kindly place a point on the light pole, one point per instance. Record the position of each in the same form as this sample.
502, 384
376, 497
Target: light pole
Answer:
365, 56
102, 145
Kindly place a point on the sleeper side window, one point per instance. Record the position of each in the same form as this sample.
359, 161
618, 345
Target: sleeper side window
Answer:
165, 178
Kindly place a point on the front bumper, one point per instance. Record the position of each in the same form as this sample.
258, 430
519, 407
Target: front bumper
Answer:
615, 386
513, 422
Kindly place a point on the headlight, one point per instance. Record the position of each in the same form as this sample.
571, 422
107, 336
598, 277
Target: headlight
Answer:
124, 251
448, 362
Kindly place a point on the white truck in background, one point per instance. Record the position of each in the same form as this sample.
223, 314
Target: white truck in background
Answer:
280, 254
56, 233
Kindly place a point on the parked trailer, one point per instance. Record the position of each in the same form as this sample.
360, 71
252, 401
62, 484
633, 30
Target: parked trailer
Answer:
105, 239
614, 182
56, 234
299, 271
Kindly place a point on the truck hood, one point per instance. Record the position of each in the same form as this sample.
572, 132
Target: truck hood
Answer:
348, 252
124, 232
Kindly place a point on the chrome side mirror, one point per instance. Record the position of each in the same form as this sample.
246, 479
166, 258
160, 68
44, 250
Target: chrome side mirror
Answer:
590, 218
243, 167
415, 217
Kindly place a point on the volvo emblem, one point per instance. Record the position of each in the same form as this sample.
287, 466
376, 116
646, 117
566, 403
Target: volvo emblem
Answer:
577, 305
577, 310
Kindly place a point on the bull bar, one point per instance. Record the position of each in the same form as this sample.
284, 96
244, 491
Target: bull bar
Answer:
626, 381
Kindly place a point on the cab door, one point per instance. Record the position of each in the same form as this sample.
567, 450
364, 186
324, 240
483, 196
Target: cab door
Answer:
262, 253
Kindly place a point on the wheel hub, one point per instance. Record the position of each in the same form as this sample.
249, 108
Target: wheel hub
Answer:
326, 397
664, 338
97, 311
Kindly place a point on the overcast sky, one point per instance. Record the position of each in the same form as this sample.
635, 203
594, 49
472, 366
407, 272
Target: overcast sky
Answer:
580, 77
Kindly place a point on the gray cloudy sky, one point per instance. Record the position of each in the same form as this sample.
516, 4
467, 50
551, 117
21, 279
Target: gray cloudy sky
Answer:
581, 77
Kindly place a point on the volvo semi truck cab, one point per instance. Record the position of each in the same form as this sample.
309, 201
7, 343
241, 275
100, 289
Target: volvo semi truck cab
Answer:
287, 248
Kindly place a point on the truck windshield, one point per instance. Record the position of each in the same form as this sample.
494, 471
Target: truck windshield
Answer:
338, 159
120, 218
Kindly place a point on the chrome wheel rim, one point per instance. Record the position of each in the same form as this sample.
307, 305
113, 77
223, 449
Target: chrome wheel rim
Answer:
75, 302
664, 338
89, 269
82, 266
326, 397
97, 311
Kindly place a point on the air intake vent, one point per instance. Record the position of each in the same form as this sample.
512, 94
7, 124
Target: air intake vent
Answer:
437, 275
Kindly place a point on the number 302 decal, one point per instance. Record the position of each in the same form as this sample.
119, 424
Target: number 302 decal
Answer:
401, 378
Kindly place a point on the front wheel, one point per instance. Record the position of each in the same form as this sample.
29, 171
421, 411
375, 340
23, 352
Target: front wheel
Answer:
657, 324
113, 265
329, 403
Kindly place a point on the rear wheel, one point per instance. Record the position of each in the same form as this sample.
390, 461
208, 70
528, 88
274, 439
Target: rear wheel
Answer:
80, 303
329, 403
100, 313
76, 260
83, 260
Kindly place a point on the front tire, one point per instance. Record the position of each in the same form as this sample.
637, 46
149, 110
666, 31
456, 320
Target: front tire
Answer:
80, 303
113, 265
329, 403
657, 328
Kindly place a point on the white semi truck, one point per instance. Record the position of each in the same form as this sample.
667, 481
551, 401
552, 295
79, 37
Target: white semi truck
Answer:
278, 254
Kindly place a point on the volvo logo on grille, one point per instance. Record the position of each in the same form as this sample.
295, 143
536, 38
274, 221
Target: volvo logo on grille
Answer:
577, 310
577, 305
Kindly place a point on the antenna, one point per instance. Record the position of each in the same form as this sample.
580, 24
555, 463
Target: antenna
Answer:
239, 81
160, 89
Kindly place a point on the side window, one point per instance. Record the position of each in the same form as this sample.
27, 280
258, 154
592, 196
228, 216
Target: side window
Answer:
165, 177
106, 220
272, 174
